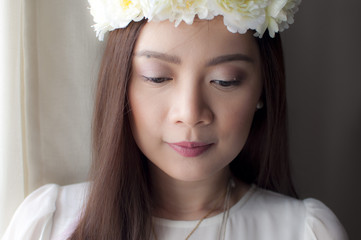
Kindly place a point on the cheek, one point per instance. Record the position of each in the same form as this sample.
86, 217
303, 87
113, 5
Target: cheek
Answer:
146, 114
235, 123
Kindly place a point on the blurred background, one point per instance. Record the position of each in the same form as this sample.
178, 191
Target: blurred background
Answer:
49, 59
323, 66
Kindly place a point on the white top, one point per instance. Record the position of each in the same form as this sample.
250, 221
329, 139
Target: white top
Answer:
51, 212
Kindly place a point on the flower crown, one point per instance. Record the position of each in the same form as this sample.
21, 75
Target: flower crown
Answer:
238, 15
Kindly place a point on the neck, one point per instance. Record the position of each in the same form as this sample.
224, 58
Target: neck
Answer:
188, 200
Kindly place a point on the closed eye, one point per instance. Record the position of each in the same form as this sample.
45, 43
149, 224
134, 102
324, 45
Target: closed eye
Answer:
157, 79
228, 83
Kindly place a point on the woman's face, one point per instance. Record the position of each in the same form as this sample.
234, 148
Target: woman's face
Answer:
193, 94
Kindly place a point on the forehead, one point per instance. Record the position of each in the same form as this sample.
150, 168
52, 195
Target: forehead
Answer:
204, 38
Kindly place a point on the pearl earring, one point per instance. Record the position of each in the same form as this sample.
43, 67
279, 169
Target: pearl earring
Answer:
259, 105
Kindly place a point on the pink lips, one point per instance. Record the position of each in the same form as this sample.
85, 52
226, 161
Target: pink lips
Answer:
190, 149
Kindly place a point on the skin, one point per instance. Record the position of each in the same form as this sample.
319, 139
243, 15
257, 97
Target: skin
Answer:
184, 89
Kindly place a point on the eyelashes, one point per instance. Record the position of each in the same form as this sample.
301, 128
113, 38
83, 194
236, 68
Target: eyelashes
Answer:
227, 83
219, 83
157, 80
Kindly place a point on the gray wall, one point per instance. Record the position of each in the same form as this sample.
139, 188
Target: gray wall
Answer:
323, 64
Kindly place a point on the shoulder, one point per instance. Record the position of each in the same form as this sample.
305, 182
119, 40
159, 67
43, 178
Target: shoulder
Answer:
291, 218
47, 212
322, 223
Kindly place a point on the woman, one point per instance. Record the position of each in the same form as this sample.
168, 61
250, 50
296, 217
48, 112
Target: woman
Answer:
189, 134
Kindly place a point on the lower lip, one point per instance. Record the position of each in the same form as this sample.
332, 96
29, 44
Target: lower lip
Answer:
190, 151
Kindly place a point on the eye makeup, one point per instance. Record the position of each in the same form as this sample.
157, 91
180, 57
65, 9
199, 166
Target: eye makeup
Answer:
156, 80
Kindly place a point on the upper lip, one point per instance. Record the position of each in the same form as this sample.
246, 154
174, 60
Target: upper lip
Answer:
190, 144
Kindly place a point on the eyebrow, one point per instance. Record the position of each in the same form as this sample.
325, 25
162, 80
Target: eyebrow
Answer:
176, 60
229, 58
158, 55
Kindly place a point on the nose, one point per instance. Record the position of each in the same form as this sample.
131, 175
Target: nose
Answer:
190, 106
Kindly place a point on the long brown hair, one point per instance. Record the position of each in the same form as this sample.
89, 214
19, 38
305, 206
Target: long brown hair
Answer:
264, 159
119, 203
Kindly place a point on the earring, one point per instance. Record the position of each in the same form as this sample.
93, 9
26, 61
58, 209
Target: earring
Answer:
259, 105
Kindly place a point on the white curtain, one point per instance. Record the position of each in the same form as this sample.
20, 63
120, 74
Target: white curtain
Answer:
48, 66
11, 97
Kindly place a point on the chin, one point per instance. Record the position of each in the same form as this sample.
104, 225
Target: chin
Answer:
195, 174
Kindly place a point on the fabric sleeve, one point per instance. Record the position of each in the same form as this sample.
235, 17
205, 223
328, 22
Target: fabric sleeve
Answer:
34, 217
321, 222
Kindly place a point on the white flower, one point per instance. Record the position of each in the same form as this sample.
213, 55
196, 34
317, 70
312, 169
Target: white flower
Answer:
112, 14
240, 15
280, 14
175, 10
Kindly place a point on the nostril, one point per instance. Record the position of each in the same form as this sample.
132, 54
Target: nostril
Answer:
192, 116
